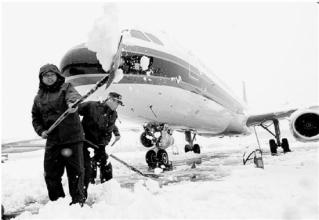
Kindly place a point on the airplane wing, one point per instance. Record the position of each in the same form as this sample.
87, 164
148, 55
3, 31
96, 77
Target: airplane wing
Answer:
304, 123
261, 118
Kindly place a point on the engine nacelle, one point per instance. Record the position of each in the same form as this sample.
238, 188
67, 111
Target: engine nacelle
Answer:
304, 124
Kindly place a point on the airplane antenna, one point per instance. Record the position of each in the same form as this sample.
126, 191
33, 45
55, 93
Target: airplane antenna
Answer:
151, 107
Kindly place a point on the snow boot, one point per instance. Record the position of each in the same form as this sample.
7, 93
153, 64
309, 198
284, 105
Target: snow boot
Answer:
106, 173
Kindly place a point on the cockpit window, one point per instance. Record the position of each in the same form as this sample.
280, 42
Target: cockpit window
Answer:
139, 35
154, 39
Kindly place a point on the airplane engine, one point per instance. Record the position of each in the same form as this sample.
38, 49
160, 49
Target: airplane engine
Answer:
304, 124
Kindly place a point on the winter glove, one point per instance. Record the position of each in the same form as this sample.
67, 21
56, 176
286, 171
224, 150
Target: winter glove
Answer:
44, 134
117, 138
72, 110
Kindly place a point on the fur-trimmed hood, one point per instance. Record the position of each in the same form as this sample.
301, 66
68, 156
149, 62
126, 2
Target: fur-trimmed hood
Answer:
51, 68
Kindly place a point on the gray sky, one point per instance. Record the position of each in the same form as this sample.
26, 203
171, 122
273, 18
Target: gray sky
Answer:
273, 47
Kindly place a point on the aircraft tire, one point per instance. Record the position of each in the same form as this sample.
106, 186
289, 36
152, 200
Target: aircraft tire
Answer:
146, 141
162, 157
285, 145
273, 147
151, 159
196, 149
187, 148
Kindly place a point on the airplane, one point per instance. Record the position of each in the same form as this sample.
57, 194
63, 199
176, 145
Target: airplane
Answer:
22, 146
166, 89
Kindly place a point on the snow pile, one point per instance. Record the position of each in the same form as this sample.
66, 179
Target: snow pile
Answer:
118, 75
23, 180
145, 62
104, 37
158, 170
223, 188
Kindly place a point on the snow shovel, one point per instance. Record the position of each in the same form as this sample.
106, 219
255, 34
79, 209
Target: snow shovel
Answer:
150, 175
108, 79
114, 142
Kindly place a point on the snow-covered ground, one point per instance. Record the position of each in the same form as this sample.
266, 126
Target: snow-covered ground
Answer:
286, 189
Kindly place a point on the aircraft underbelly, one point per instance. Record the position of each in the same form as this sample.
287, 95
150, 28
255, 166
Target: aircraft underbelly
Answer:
158, 103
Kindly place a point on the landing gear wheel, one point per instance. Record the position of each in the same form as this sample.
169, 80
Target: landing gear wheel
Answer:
285, 145
151, 159
196, 149
162, 157
147, 142
273, 147
187, 148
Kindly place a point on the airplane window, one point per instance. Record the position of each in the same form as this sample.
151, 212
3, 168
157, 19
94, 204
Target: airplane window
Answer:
193, 75
154, 39
194, 72
139, 35
131, 64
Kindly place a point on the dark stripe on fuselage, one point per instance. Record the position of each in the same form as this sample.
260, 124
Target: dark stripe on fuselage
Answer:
137, 79
159, 54
170, 66
166, 70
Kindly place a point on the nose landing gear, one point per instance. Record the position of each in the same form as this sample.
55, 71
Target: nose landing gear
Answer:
151, 159
162, 157
158, 137
158, 159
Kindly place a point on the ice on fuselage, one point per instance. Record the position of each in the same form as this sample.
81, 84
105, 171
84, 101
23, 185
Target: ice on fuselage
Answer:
145, 62
104, 37
118, 75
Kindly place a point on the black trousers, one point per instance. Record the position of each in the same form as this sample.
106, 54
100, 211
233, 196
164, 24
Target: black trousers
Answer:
87, 167
99, 160
58, 157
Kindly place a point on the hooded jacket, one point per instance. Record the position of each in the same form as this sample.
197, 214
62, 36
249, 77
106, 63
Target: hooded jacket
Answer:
50, 103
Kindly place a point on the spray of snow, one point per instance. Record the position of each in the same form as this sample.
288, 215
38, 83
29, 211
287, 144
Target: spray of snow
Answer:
66, 152
158, 170
118, 75
104, 37
145, 62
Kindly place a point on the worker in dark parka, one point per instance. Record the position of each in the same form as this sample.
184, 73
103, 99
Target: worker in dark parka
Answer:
99, 124
64, 145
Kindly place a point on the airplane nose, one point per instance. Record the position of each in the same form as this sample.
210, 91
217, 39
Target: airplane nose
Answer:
80, 60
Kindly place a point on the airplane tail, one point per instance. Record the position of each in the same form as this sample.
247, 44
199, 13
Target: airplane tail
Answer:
244, 92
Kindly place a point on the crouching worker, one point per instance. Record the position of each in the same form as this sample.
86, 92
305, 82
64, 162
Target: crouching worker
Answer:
64, 145
99, 123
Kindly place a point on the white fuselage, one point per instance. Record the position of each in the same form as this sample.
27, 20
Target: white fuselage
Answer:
179, 108
179, 91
